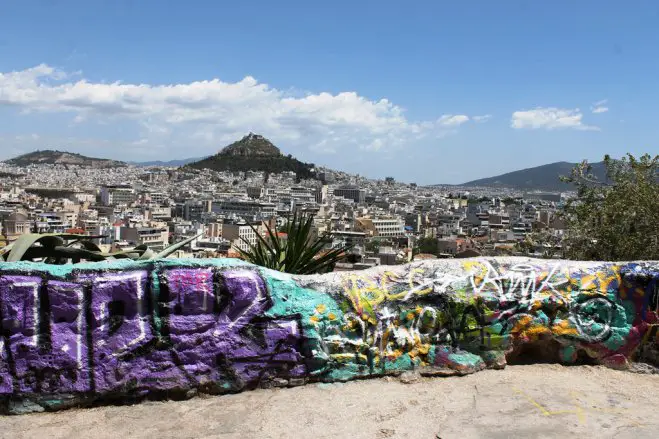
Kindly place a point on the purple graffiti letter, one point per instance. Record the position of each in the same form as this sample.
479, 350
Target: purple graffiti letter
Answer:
215, 348
68, 330
120, 325
19, 296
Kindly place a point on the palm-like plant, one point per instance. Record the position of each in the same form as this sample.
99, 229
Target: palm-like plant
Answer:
298, 253
65, 248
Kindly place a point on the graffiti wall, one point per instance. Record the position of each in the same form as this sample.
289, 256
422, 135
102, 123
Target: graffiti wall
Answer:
75, 334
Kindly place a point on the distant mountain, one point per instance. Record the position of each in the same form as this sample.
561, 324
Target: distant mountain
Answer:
254, 153
51, 157
169, 163
545, 177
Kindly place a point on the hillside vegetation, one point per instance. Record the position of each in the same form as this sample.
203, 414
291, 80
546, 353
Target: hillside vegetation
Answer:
254, 153
53, 157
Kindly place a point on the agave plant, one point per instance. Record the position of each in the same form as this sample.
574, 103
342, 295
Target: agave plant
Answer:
64, 248
298, 253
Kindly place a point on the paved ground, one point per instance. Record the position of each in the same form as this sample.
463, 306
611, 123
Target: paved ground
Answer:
521, 401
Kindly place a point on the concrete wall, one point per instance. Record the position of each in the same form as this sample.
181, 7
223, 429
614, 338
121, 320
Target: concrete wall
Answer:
100, 331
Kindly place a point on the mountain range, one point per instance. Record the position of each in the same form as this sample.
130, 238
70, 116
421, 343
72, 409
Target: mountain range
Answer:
545, 177
256, 153
168, 163
251, 153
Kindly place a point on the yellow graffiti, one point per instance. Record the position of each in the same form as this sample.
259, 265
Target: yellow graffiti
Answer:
386, 342
374, 330
563, 328
599, 282
358, 296
365, 294
411, 282
529, 329
526, 328
477, 270
580, 409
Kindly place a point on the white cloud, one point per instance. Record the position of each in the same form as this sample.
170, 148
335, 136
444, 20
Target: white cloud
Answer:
599, 107
375, 145
549, 118
450, 120
214, 111
481, 119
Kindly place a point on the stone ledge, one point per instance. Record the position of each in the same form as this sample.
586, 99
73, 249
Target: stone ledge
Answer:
111, 332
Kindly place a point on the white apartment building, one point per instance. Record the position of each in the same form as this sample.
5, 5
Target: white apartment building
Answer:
157, 197
91, 226
157, 238
386, 227
389, 227
83, 197
50, 222
235, 233
113, 195
243, 208
351, 192
194, 210
248, 234
68, 218
158, 213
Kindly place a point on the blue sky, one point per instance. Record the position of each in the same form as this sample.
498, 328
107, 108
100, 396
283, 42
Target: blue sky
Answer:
425, 91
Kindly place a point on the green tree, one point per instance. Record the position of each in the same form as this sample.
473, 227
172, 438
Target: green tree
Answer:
615, 219
373, 245
427, 245
541, 243
298, 252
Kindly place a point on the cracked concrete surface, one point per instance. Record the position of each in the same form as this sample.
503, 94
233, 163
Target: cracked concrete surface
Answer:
540, 401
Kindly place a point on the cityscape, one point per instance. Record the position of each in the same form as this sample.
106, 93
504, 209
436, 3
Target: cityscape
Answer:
380, 222
294, 219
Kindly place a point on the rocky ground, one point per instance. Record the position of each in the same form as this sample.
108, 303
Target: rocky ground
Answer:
520, 401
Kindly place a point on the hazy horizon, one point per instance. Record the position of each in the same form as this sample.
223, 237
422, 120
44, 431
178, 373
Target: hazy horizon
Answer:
187, 159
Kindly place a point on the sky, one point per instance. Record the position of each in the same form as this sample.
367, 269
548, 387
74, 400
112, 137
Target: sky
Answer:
424, 91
